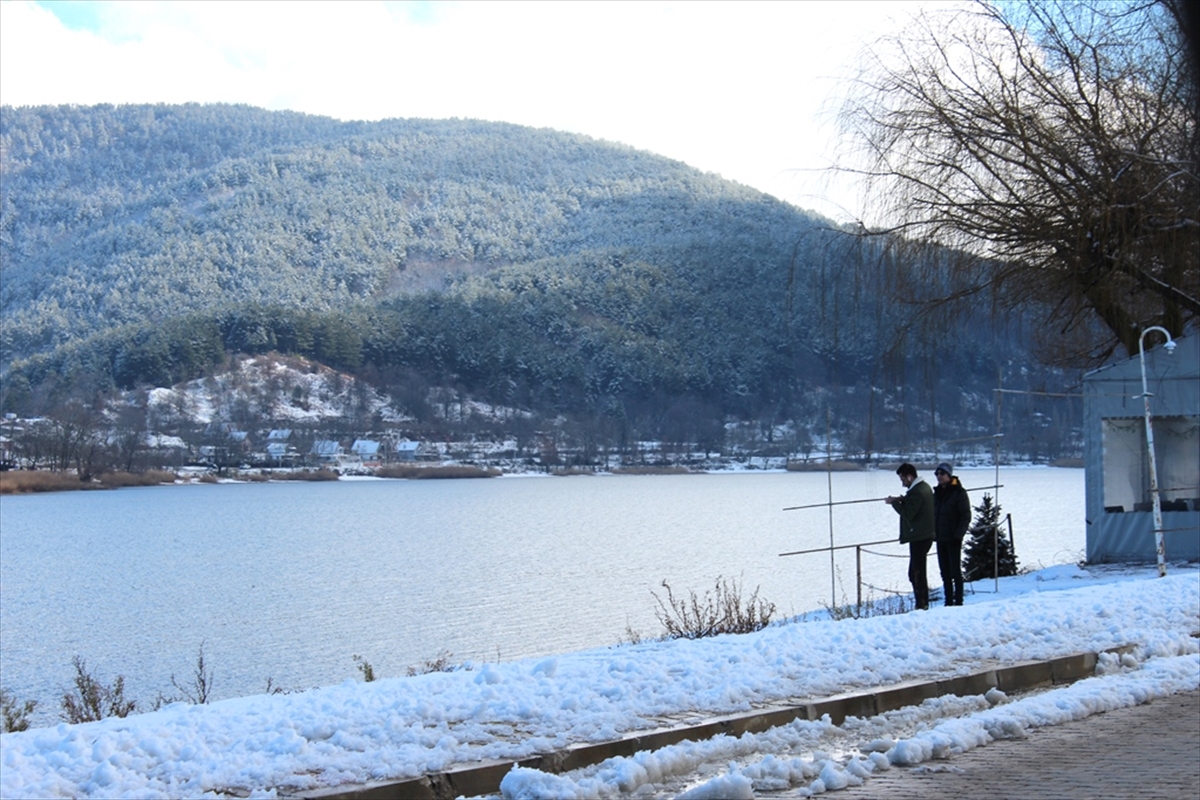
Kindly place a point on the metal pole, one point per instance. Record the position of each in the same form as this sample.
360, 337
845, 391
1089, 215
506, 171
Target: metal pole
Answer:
829, 481
858, 574
1159, 546
999, 431
876, 499
996, 557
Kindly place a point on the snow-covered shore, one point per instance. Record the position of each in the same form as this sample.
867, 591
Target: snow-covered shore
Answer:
403, 727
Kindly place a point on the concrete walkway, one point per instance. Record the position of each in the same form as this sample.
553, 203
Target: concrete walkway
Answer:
1148, 752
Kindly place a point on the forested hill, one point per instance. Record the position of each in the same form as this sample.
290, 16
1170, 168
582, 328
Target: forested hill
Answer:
133, 213
141, 244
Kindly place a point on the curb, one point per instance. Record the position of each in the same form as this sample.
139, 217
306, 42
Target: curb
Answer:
484, 777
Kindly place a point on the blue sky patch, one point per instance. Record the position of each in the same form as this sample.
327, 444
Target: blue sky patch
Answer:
75, 14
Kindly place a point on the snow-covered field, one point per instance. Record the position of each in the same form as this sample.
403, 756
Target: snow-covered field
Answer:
403, 727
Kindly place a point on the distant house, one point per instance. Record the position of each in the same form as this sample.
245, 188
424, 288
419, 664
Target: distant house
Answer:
1119, 504
365, 449
7, 457
241, 440
279, 435
277, 451
406, 450
326, 451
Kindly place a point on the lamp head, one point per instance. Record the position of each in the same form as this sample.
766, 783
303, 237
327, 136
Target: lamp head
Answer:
1169, 346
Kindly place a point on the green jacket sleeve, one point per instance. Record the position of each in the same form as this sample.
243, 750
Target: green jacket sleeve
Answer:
916, 513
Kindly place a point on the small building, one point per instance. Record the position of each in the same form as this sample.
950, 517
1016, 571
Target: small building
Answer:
365, 449
406, 450
240, 440
326, 451
1119, 503
279, 435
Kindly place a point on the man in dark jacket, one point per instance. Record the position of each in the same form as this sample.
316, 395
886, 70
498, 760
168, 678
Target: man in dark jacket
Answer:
952, 517
916, 528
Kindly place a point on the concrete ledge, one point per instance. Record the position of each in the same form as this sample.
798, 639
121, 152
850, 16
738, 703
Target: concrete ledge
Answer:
414, 789
765, 719
472, 779
968, 685
1026, 675
838, 707
485, 777
905, 694
1072, 668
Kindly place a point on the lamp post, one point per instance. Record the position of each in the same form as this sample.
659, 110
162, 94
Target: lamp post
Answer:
1154, 498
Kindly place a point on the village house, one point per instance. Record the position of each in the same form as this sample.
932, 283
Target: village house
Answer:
326, 452
406, 450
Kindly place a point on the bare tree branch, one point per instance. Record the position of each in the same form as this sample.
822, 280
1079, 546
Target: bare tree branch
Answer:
1055, 146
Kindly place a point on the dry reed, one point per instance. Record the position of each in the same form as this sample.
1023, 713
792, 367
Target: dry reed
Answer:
416, 473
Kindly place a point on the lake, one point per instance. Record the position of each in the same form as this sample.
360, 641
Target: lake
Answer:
290, 581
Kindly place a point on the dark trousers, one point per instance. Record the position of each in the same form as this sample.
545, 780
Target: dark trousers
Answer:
950, 565
918, 552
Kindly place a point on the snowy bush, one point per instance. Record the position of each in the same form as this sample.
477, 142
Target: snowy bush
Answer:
91, 700
721, 610
15, 713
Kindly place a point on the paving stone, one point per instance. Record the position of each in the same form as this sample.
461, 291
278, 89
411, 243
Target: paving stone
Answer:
1148, 752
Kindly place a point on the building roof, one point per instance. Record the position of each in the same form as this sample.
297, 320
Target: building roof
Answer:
1182, 362
325, 447
364, 447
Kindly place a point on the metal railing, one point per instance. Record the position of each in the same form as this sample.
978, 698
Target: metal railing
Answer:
858, 551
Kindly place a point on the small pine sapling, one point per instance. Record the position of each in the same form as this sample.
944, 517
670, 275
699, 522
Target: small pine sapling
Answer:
988, 549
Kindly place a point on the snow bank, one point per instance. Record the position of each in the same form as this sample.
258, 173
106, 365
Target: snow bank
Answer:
404, 727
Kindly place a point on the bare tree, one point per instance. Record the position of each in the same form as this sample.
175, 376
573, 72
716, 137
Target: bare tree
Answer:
1048, 153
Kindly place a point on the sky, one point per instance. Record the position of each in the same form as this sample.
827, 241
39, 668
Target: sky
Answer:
400, 727
747, 90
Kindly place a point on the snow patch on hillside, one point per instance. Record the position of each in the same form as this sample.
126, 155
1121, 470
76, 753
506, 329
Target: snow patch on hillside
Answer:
271, 387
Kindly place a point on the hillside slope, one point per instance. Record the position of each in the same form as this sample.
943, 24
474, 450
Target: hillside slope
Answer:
135, 213
144, 245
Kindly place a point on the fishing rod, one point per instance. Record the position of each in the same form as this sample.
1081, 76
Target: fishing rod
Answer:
878, 499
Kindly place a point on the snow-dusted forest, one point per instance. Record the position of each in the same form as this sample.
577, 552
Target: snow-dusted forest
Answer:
625, 296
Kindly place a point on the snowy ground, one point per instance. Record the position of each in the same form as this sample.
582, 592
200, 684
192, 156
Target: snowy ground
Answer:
396, 728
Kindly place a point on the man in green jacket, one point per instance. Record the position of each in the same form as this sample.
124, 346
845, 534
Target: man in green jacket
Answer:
916, 528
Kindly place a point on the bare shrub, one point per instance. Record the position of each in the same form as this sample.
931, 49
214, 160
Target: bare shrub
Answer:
886, 607
198, 692
720, 610
15, 714
651, 470
115, 480
307, 475
364, 666
414, 472
632, 635
439, 663
27, 482
274, 688
91, 700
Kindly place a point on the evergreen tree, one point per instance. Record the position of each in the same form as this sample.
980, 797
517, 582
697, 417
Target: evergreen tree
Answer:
979, 560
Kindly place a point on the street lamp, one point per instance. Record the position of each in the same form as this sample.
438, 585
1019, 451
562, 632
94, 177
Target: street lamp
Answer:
1154, 498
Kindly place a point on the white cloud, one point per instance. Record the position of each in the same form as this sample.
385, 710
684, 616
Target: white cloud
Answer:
733, 88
